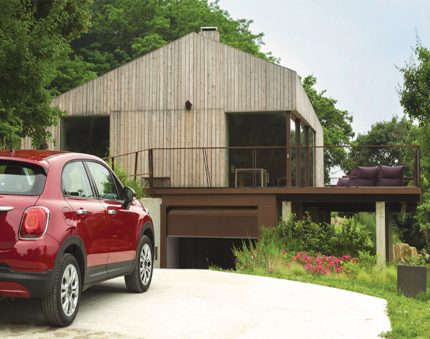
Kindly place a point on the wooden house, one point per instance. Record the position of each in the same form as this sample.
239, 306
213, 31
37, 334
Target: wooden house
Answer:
194, 92
227, 141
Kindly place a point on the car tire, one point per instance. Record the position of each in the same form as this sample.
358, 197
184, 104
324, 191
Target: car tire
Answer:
140, 279
61, 306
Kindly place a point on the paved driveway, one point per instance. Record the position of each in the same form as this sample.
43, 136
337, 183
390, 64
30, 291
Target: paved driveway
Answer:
208, 304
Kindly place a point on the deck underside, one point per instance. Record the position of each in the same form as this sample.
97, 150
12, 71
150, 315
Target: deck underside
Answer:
233, 213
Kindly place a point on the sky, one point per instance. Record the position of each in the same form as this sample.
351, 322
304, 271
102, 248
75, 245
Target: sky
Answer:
352, 47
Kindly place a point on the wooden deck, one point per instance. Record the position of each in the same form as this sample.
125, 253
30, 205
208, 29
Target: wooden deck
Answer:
332, 197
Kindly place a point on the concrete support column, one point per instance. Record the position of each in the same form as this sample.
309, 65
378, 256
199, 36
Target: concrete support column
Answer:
287, 210
381, 250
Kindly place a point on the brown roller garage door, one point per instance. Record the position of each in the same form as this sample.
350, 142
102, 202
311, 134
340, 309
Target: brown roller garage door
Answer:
213, 222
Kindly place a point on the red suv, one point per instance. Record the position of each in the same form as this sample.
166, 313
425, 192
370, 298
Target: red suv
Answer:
66, 223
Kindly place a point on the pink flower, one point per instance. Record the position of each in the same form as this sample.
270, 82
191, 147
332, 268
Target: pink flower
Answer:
283, 252
321, 264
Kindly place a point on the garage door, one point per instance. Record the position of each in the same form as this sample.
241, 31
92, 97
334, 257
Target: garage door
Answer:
213, 222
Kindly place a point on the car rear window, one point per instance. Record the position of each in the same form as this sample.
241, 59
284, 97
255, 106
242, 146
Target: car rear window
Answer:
19, 178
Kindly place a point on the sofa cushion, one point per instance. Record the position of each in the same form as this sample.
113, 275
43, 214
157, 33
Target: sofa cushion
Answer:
392, 172
362, 172
345, 181
362, 182
389, 182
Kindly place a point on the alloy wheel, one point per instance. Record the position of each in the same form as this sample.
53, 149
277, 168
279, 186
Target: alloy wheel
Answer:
69, 290
145, 264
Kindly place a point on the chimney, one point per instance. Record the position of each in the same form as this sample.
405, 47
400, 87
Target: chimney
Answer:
210, 33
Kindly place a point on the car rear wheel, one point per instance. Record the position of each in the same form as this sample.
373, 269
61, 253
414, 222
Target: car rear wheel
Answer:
140, 280
61, 306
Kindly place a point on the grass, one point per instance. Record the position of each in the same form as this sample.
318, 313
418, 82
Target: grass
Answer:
410, 318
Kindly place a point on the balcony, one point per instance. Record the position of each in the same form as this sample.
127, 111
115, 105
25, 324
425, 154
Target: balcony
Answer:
274, 167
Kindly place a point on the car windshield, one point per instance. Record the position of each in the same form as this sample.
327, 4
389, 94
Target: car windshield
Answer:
18, 178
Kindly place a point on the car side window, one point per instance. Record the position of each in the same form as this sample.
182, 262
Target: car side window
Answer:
75, 182
104, 181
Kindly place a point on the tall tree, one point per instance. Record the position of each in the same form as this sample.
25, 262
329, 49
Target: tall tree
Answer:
123, 30
415, 93
336, 124
387, 134
415, 100
34, 42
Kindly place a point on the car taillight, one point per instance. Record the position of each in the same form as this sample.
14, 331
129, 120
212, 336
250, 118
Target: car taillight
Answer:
34, 223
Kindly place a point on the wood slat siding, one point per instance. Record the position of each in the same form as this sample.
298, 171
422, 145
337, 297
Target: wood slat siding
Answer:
146, 101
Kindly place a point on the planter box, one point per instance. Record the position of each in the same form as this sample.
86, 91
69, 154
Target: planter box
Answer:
412, 280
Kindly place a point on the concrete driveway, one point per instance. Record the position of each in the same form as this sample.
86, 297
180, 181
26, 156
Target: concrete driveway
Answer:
208, 304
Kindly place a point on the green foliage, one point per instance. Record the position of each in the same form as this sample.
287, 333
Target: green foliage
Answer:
123, 30
34, 41
424, 219
352, 238
415, 100
72, 72
394, 132
130, 182
366, 260
415, 93
368, 221
305, 235
336, 124
409, 229
9, 131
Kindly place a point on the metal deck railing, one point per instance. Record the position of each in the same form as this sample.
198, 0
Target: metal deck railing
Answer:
274, 166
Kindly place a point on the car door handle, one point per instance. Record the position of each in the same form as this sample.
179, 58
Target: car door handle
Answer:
6, 208
81, 211
112, 212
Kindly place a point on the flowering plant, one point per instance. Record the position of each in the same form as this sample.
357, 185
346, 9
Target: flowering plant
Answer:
322, 264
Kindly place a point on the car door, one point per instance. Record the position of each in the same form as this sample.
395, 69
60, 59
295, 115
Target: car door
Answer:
122, 222
89, 216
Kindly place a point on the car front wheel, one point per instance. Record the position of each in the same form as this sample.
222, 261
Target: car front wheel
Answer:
140, 280
61, 306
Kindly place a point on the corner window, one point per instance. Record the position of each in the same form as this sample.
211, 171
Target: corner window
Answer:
75, 182
104, 181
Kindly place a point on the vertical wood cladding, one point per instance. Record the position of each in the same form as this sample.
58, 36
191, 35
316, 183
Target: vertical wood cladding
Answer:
146, 97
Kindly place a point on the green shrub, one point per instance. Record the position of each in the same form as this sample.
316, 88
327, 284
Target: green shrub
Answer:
351, 238
366, 259
302, 235
296, 235
130, 182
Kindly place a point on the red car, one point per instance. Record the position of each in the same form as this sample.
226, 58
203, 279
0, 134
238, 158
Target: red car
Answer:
66, 223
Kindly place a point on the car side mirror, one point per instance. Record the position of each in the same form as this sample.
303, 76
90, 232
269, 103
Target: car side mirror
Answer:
130, 194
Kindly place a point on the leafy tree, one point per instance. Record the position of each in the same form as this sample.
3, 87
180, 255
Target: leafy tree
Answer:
415, 93
386, 134
34, 42
123, 30
336, 124
415, 100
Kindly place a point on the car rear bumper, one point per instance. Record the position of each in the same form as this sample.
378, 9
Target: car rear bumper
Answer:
25, 284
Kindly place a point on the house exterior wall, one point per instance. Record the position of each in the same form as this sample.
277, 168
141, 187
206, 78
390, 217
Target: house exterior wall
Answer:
145, 98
